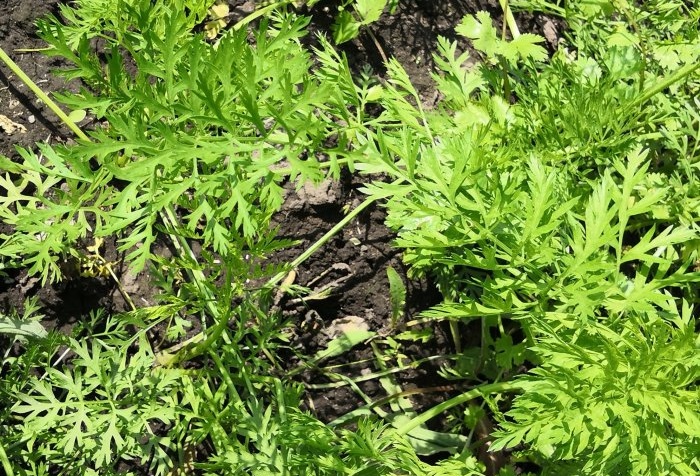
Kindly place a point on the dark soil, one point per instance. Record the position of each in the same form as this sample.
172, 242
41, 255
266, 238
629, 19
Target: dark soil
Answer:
17, 102
353, 263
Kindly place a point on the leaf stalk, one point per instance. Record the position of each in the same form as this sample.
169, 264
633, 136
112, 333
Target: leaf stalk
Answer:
42, 95
476, 392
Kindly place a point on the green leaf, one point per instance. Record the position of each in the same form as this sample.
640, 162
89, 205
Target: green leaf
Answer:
345, 27
509, 355
652, 241
19, 327
480, 30
343, 343
526, 46
77, 115
369, 10
420, 335
397, 295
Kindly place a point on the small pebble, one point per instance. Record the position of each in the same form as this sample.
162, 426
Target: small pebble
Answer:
31, 119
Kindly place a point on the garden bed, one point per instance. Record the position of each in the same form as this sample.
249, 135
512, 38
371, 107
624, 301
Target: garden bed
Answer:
398, 344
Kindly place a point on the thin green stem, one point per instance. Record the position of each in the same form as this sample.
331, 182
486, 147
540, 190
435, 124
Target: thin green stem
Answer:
510, 19
5, 462
323, 240
377, 45
641, 46
199, 346
123, 291
459, 399
196, 275
371, 376
454, 332
196, 346
226, 377
258, 13
685, 71
42, 95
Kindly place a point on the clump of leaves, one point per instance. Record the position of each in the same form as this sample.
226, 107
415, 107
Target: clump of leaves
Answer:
208, 130
541, 211
614, 399
553, 201
27, 325
193, 143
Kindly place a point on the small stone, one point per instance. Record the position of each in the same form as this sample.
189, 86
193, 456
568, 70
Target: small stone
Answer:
9, 126
31, 119
324, 193
344, 325
550, 33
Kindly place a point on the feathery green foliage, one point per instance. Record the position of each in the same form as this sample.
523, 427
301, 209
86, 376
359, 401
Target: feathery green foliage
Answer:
554, 199
540, 212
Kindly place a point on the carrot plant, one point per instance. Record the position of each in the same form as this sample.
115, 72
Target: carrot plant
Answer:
193, 141
556, 203
553, 199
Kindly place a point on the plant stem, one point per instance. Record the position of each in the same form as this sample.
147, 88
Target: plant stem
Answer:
123, 292
465, 397
686, 70
258, 13
323, 240
5, 462
510, 19
377, 45
42, 95
195, 275
364, 378
197, 346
